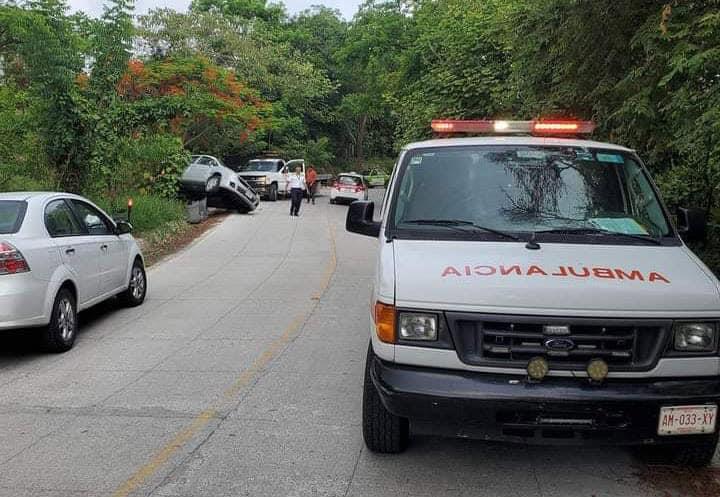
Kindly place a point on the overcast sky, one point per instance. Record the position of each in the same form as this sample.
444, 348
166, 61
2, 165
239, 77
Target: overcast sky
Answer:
94, 7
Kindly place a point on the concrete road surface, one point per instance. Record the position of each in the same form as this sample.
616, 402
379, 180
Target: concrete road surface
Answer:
242, 376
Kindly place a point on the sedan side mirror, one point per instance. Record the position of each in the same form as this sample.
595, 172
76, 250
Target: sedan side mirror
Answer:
360, 219
692, 224
123, 228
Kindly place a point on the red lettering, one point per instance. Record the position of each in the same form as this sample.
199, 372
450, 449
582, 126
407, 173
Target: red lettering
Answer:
451, 271
512, 269
468, 271
634, 275
562, 271
533, 270
586, 272
485, 270
657, 277
603, 272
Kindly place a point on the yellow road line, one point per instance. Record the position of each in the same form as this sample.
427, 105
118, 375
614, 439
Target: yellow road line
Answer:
150, 468
162, 457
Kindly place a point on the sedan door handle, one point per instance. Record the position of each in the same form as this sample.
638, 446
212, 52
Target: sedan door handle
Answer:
70, 251
103, 247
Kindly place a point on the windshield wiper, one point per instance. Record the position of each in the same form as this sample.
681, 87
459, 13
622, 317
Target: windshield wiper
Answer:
600, 231
460, 225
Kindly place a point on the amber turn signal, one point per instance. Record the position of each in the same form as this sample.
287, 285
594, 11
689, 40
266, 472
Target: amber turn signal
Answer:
385, 322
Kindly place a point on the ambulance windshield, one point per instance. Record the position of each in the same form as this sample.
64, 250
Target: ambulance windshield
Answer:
529, 189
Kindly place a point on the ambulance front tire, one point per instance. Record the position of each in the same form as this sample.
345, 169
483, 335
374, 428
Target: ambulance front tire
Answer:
384, 433
693, 455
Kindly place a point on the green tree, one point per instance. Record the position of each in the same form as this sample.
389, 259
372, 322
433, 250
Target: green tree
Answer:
246, 9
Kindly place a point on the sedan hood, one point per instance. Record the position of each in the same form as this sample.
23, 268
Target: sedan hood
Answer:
557, 279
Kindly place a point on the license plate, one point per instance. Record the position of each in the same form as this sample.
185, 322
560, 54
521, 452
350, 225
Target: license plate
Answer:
687, 420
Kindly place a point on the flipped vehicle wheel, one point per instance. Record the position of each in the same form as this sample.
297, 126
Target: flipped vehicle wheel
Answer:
383, 432
273, 193
213, 184
137, 286
59, 336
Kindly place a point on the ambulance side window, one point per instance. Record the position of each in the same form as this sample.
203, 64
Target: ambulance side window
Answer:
389, 187
406, 190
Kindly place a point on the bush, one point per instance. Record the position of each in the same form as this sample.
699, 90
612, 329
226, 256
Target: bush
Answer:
150, 165
150, 212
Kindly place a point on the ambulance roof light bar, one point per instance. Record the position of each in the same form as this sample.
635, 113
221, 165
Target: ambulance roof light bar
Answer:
538, 127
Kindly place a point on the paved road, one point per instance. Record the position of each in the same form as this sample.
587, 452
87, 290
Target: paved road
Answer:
242, 376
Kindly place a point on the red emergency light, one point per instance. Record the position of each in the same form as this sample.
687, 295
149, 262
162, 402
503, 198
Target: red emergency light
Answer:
536, 127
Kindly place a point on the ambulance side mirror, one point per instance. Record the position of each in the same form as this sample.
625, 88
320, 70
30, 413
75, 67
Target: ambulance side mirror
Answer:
692, 224
360, 219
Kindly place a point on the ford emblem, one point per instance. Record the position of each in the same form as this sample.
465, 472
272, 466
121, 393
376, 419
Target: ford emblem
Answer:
559, 344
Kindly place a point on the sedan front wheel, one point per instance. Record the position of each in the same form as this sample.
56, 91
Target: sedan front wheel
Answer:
137, 286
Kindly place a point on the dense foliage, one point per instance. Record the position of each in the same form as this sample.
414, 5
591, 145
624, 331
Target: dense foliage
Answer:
110, 105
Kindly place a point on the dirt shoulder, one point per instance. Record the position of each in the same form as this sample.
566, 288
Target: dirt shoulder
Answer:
158, 244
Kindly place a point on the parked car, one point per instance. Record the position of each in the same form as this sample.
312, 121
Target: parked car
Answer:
60, 254
207, 176
377, 178
269, 176
348, 187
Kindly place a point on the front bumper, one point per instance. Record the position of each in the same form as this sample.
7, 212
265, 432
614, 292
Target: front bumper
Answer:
555, 411
227, 198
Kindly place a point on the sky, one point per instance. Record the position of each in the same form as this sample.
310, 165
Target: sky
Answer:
94, 7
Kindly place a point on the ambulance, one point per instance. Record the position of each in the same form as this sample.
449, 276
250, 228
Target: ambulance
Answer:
531, 286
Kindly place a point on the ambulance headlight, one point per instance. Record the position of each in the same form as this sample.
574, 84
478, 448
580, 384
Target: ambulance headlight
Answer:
416, 326
695, 337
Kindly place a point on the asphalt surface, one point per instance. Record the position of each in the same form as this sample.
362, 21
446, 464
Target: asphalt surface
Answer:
242, 376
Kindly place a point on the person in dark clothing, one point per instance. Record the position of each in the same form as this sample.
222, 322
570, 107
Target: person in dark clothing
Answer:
296, 185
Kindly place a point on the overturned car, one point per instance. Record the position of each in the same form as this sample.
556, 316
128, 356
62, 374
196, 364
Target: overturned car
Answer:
207, 177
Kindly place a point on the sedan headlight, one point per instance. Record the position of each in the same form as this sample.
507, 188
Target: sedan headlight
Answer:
695, 337
415, 326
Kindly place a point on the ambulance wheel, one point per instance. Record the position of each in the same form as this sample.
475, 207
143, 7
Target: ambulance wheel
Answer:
694, 455
383, 432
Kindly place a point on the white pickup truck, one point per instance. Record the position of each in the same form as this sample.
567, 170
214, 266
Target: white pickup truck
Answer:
269, 177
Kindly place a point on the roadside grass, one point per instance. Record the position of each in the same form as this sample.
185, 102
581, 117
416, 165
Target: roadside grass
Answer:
149, 212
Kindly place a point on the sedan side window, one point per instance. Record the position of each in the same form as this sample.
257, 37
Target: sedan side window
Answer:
94, 220
60, 221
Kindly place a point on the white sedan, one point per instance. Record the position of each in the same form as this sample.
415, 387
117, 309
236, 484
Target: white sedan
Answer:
348, 187
60, 254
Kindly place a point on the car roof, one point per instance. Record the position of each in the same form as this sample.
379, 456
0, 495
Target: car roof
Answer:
355, 175
25, 196
514, 140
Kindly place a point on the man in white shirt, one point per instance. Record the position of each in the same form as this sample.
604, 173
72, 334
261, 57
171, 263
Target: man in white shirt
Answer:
296, 186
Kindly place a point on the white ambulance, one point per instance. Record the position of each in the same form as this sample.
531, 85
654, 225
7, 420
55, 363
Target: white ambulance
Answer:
532, 287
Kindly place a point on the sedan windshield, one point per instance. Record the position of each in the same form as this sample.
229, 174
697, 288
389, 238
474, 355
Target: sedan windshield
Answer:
529, 189
11, 216
262, 166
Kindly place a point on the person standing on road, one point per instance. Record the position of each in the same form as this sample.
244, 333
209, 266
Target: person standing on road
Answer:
296, 184
311, 180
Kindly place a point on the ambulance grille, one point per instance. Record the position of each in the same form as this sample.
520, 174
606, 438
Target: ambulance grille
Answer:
566, 343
